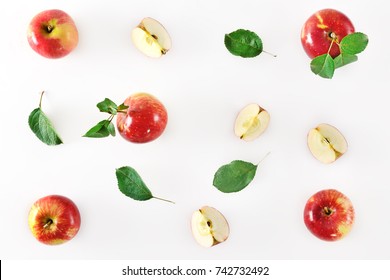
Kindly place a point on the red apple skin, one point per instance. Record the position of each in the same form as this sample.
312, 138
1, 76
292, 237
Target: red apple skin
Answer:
317, 31
145, 120
59, 41
54, 219
329, 215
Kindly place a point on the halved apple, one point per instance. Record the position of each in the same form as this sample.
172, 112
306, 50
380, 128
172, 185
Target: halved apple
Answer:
151, 38
251, 122
326, 143
209, 226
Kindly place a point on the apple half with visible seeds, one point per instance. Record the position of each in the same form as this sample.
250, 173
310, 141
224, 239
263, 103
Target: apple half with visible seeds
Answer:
326, 143
151, 38
209, 226
251, 122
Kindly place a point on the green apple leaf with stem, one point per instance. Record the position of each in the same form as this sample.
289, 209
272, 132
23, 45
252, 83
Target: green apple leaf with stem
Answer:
42, 127
235, 176
131, 184
244, 43
324, 65
105, 127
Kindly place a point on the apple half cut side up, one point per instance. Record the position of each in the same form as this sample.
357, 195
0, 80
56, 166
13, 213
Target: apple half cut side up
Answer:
251, 122
326, 143
151, 38
209, 226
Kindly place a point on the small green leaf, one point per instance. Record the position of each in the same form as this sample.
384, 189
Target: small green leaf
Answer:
122, 107
107, 106
243, 43
102, 129
43, 128
323, 66
111, 129
131, 184
354, 43
344, 59
235, 176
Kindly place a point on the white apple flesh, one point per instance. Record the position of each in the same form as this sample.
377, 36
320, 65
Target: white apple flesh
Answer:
151, 38
251, 122
326, 143
209, 226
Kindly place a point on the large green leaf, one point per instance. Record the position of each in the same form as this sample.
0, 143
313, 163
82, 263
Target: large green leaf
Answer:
131, 184
354, 43
41, 125
235, 176
243, 43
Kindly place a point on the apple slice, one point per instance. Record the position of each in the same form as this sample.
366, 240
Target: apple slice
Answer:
326, 143
151, 38
251, 122
209, 226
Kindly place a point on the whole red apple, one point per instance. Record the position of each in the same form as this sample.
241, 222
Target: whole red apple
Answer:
54, 219
323, 28
52, 34
329, 215
145, 120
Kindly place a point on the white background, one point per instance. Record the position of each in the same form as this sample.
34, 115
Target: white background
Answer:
203, 87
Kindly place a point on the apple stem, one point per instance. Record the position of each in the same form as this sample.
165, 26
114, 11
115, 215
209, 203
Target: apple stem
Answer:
48, 223
49, 28
40, 100
328, 211
333, 40
110, 118
333, 36
274, 55
263, 158
166, 200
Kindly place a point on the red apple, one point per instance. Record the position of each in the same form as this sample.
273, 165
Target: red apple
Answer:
323, 28
145, 120
54, 219
329, 215
52, 34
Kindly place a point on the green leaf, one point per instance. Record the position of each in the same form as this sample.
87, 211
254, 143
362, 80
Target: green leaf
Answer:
107, 106
243, 43
354, 43
102, 129
111, 129
235, 176
344, 59
131, 184
122, 107
323, 66
43, 128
